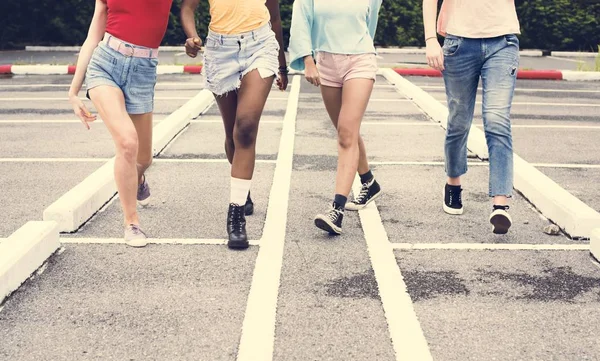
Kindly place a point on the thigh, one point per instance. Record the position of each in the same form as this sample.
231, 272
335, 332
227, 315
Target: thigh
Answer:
228, 107
110, 104
252, 96
499, 74
462, 63
332, 97
355, 98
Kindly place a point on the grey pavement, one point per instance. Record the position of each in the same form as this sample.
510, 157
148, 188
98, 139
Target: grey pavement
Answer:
187, 302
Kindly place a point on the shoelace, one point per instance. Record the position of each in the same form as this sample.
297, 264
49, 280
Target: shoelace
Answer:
334, 214
364, 192
136, 230
452, 195
236, 218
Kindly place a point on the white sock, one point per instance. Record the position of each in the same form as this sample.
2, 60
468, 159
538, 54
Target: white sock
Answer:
239, 190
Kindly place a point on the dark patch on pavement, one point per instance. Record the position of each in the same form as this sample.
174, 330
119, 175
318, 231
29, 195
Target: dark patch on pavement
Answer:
556, 284
361, 285
424, 285
211, 156
315, 162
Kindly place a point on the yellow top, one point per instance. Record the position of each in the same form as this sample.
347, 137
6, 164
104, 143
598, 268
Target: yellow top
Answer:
237, 16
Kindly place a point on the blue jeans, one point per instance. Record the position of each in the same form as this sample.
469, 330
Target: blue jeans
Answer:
496, 61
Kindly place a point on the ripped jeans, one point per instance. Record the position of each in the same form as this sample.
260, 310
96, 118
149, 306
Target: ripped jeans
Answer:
496, 61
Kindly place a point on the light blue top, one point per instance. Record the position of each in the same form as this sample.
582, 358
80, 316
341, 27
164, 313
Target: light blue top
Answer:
333, 26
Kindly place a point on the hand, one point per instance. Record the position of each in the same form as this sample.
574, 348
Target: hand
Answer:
435, 55
282, 81
81, 111
312, 74
192, 46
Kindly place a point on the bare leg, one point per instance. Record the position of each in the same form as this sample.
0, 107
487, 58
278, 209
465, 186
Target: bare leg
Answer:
143, 127
228, 106
110, 104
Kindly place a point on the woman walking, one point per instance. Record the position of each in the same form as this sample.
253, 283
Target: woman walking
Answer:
243, 54
118, 61
340, 33
480, 42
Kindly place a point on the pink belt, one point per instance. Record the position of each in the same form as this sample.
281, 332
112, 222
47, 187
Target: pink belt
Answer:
128, 49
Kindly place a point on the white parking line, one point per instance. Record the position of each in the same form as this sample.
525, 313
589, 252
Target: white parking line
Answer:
584, 105
63, 99
404, 124
182, 241
475, 164
68, 121
492, 246
525, 89
422, 163
548, 126
100, 160
407, 336
563, 165
195, 86
258, 330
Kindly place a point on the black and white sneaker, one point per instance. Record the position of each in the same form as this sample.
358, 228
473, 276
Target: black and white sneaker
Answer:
249, 206
453, 200
236, 227
368, 192
500, 220
331, 221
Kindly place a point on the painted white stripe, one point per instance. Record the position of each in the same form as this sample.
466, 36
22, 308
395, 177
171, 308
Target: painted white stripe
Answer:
195, 86
52, 121
46, 99
40, 69
492, 246
584, 105
54, 160
524, 90
168, 160
258, 330
563, 165
405, 331
220, 121
101, 160
183, 241
404, 124
542, 126
423, 163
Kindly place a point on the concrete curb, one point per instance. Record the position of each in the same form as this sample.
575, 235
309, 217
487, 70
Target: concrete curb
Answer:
80, 203
571, 214
573, 54
24, 252
569, 75
595, 244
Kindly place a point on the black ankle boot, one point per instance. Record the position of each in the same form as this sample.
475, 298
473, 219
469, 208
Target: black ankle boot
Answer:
236, 227
249, 206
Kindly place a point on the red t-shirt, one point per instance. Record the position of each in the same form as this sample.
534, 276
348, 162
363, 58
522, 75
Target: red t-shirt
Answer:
139, 22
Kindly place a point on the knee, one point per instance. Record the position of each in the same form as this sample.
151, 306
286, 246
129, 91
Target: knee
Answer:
127, 146
347, 137
246, 129
458, 126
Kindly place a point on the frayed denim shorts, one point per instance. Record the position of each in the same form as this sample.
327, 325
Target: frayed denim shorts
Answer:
228, 58
136, 77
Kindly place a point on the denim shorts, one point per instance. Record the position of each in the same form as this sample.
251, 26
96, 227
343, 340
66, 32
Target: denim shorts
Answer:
136, 77
227, 58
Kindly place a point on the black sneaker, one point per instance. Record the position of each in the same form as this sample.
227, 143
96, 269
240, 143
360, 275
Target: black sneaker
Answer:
453, 200
236, 227
368, 192
331, 221
249, 206
500, 220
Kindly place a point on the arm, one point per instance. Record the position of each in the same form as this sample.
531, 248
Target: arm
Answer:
301, 47
193, 42
374, 17
435, 56
95, 34
273, 6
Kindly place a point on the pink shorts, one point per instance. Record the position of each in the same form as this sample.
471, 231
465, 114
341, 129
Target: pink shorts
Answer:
335, 69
